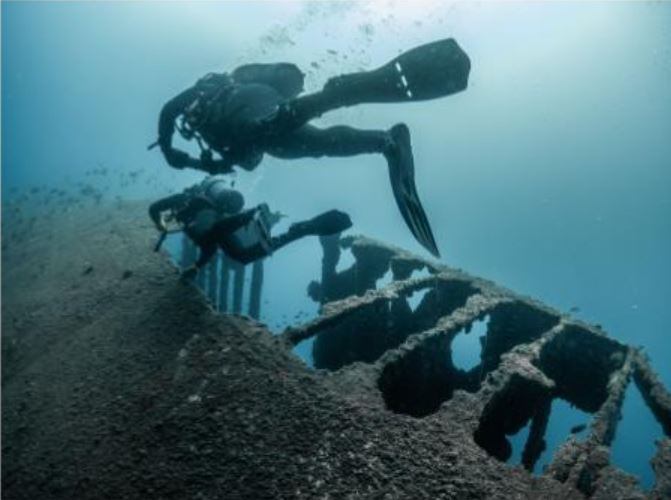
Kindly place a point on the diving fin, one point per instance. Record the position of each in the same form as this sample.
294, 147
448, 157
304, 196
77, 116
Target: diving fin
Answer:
402, 176
433, 70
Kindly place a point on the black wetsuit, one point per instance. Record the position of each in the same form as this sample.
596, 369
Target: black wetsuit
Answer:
252, 118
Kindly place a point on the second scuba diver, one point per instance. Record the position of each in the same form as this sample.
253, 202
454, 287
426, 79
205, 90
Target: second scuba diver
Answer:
212, 216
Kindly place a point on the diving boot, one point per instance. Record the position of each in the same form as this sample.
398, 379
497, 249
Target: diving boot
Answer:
402, 176
331, 222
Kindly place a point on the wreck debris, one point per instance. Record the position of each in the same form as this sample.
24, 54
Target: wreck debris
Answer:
536, 444
238, 286
212, 280
255, 293
335, 432
655, 394
531, 354
661, 464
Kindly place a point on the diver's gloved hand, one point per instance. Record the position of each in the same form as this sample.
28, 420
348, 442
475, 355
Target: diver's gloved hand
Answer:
161, 224
176, 158
207, 162
212, 166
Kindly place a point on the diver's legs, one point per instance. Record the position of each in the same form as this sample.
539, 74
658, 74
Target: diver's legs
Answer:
325, 224
298, 111
432, 70
309, 141
381, 85
313, 142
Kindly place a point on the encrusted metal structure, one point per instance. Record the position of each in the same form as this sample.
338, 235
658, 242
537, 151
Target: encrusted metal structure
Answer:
531, 354
121, 381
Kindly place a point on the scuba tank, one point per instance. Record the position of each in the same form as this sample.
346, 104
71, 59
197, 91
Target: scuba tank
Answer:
206, 203
222, 198
255, 235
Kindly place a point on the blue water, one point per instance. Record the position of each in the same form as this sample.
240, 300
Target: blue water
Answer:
563, 417
467, 347
550, 174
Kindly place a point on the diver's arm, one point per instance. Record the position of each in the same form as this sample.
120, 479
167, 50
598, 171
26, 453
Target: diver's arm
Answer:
247, 159
212, 166
163, 205
166, 129
206, 253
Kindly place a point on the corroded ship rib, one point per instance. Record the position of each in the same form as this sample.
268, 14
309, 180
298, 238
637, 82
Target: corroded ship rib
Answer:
531, 354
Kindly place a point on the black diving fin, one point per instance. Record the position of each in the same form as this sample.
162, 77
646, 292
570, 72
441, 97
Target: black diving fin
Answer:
402, 177
433, 70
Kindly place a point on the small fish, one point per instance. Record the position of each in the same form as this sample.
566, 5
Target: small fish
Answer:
578, 428
574, 309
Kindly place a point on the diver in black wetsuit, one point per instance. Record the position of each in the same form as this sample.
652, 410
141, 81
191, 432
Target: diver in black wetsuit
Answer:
257, 109
231, 114
212, 215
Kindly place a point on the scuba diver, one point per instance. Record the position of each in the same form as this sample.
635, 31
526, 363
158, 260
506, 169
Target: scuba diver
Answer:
212, 216
257, 110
